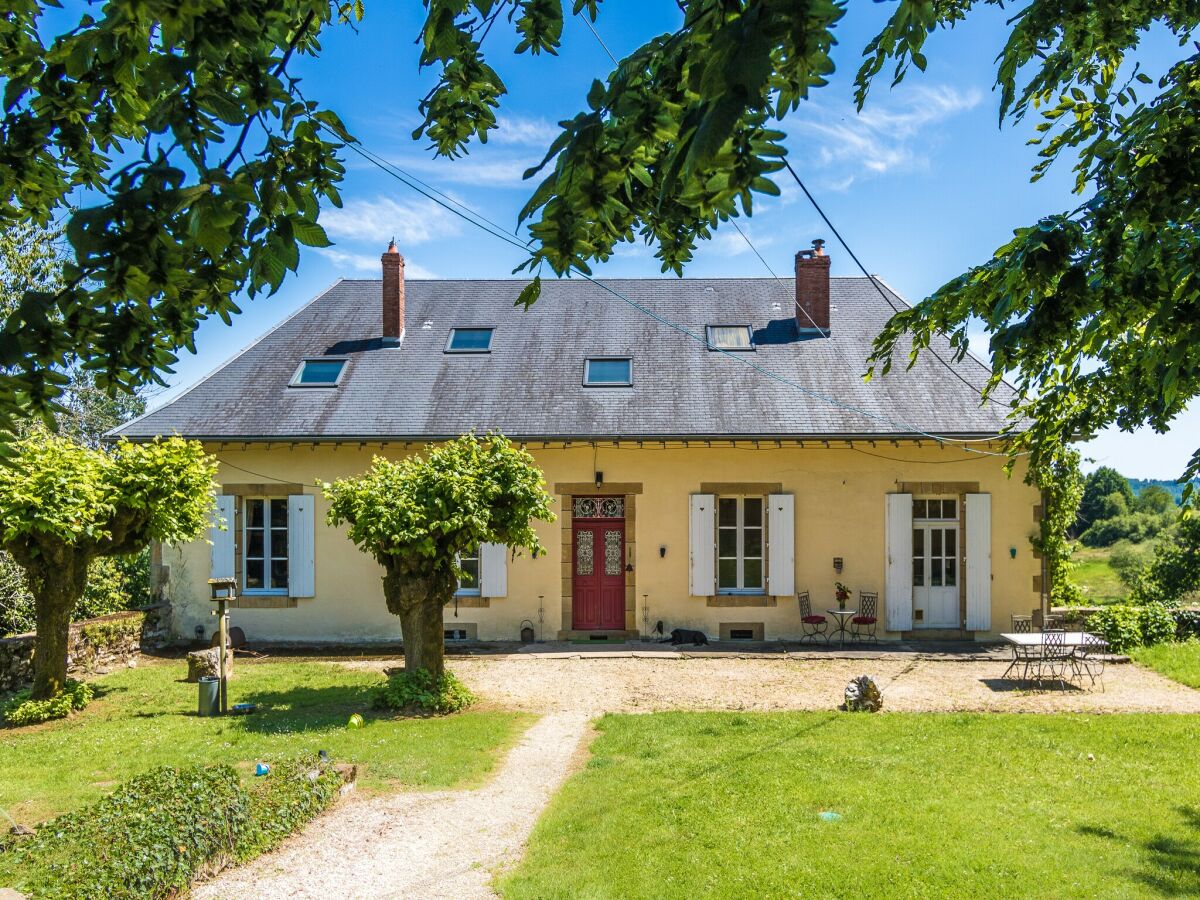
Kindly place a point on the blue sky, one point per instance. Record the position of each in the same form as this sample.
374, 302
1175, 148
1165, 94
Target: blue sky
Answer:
922, 183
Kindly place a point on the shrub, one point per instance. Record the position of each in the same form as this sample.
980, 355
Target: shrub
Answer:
1128, 562
1187, 624
1175, 571
1158, 625
152, 835
20, 710
1120, 625
418, 691
1136, 527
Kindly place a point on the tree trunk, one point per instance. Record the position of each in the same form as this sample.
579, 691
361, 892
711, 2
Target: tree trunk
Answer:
56, 587
419, 600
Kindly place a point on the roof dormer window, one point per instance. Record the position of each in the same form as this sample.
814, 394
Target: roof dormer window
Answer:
322, 372
469, 340
613, 372
730, 337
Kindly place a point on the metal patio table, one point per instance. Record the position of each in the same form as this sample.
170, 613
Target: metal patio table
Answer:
842, 616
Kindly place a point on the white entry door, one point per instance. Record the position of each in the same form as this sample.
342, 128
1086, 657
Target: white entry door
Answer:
935, 570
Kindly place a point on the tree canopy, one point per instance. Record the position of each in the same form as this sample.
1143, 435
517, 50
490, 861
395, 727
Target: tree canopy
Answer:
63, 504
416, 516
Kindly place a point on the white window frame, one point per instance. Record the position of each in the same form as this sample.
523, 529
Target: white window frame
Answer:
450, 348
712, 344
476, 591
267, 558
297, 383
741, 557
587, 372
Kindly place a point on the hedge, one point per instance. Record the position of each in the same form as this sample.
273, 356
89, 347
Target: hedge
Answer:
151, 836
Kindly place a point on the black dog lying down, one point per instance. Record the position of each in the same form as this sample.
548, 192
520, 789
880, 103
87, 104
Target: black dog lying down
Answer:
685, 636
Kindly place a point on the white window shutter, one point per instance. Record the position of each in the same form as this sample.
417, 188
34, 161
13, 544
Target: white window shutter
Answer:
222, 540
781, 545
302, 580
702, 573
898, 583
493, 570
979, 562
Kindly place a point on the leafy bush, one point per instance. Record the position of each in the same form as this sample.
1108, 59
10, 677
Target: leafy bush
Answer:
1136, 527
1174, 574
418, 691
150, 837
1128, 562
1158, 625
20, 710
1120, 625
1187, 624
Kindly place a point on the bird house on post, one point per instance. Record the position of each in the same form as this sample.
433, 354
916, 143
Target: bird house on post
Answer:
224, 591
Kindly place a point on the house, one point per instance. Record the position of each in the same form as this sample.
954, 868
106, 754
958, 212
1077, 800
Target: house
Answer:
711, 445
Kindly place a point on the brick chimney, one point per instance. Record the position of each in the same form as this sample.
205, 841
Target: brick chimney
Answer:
812, 290
393, 294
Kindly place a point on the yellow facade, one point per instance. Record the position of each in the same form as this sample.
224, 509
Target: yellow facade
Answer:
839, 493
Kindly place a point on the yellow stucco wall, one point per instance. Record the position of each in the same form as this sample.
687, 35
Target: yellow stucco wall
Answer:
839, 498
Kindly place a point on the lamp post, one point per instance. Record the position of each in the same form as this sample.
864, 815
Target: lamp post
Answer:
224, 590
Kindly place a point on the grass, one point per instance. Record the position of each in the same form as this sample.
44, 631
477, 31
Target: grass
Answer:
931, 805
1180, 662
146, 717
1097, 579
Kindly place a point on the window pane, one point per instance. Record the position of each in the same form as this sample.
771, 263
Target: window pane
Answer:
279, 543
752, 543
727, 511
918, 542
949, 509
919, 509
951, 541
608, 371
727, 573
935, 542
320, 371
753, 511
254, 543
753, 573
726, 337
254, 573
935, 573
279, 573
918, 573
470, 339
279, 513
469, 580
254, 514
727, 542
951, 572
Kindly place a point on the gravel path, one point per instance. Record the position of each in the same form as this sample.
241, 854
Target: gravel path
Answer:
443, 844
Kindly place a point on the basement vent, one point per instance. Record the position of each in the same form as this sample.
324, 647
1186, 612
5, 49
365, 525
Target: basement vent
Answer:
597, 637
456, 634
741, 634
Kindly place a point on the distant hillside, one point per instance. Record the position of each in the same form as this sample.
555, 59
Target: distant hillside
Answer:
1176, 489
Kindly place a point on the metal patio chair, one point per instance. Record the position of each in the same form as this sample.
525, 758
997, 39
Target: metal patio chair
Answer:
1025, 657
1055, 658
813, 626
1090, 657
862, 626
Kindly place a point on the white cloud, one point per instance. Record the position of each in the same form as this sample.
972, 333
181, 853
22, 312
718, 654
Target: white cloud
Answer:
524, 131
349, 261
884, 137
728, 242
375, 222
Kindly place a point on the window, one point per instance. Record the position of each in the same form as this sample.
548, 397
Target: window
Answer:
608, 372
740, 545
318, 373
469, 340
730, 337
936, 508
468, 581
265, 545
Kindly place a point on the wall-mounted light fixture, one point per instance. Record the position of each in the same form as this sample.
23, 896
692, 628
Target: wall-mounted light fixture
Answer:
599, 479
1012, 552
837, 564
662, 552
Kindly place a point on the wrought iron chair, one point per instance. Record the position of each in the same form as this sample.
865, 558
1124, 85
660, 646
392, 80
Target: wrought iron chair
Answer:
1052, 622
1055, 658
1025, 656
814, 626
862, 626
1089, 658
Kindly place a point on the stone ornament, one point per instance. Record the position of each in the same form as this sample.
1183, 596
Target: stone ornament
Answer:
863, 695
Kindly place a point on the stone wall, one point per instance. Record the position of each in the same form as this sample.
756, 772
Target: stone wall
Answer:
95, 644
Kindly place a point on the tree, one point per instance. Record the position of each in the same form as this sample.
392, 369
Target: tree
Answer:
1174, 573
63, 505
1098, 486
1154, 499
416, 517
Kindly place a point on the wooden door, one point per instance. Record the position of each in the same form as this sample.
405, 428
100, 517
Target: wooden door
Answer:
598, 576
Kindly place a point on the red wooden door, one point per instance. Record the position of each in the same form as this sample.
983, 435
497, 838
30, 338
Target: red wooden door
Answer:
598, 579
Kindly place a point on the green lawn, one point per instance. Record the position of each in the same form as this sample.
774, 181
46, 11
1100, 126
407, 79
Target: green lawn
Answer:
931, 805
1096, 578
1178, 661
146, 717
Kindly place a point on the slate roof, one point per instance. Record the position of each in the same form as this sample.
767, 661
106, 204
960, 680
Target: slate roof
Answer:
530, 384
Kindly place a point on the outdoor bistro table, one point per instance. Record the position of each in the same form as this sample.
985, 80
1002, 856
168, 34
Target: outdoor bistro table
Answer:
1034, 639
842, 616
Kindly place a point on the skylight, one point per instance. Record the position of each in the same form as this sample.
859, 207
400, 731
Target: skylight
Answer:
322, 372
730, 337
608, 372
469, 340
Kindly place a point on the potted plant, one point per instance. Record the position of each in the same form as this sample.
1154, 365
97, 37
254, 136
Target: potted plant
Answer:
843, 594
